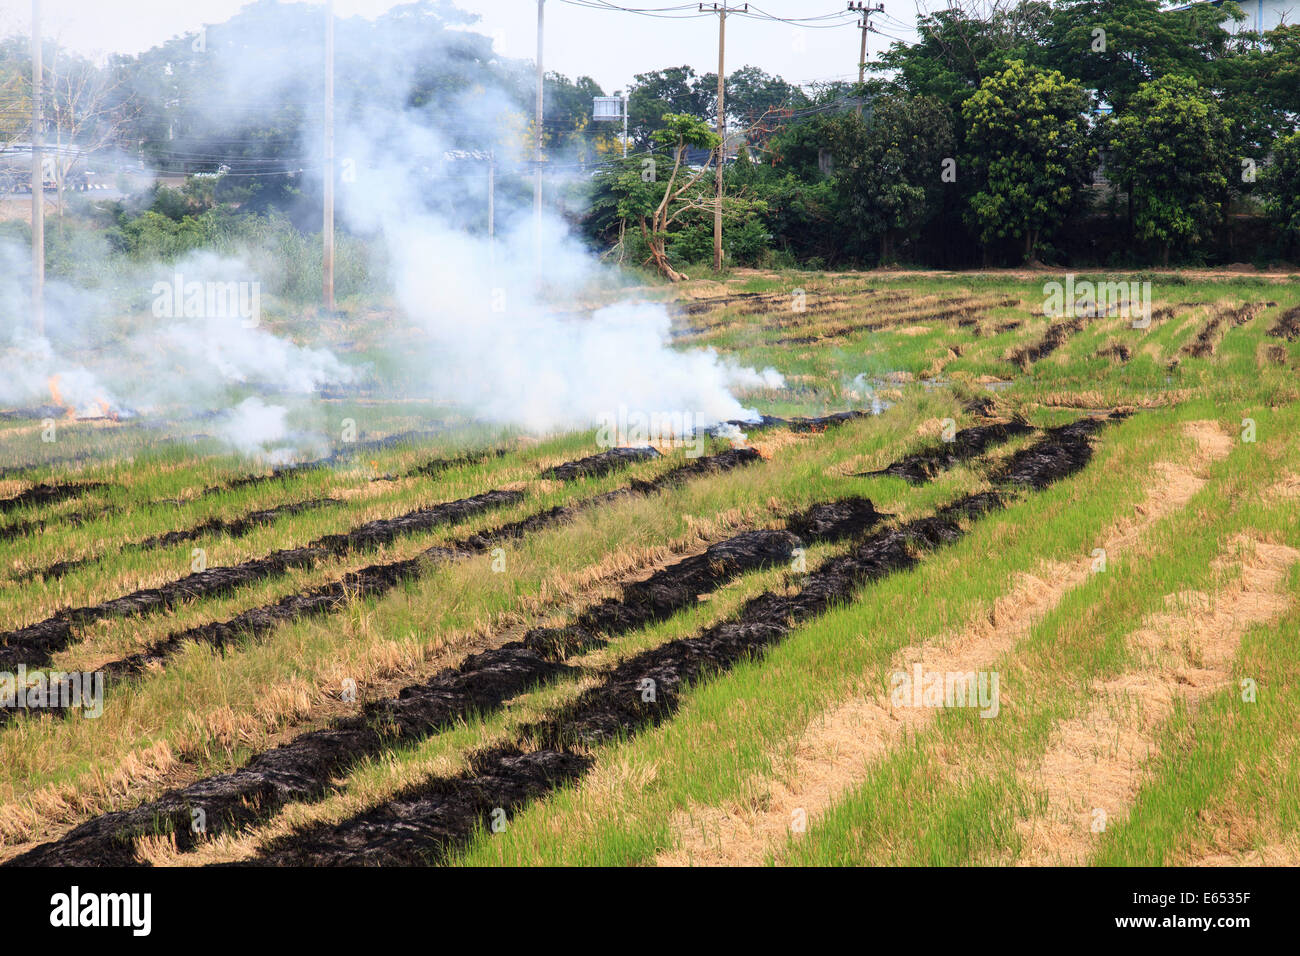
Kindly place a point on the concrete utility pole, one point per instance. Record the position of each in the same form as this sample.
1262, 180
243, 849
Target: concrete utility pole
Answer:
537, 143
38, 179
327, 228
858, 6
721, 9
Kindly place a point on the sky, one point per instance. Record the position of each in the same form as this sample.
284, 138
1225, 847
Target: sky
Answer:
608, 45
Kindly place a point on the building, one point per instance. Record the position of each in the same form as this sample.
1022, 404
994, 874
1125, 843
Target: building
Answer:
1262, 15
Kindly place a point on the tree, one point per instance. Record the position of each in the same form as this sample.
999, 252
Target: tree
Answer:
676, 90
961, 46
1171, 148
655, 203
1114, 46
889, 171
752, 93
1030, 152
1281, 182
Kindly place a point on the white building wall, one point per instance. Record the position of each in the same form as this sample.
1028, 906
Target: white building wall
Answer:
1272, 13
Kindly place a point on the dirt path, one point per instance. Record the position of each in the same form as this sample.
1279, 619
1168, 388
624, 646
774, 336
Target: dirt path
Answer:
1095, 764
836, 750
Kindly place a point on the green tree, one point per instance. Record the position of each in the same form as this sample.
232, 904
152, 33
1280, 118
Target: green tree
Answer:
1114, 46
1030, 152
676, 90
889, 171
654, 193
1281, 182
1171, 150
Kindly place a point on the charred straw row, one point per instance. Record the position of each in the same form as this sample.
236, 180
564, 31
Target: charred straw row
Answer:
967, 444
430, 820
34, 644
47, 494
378, 579
1057, 334
304, 768
21, 529
231, 528
242, 525
1287, 326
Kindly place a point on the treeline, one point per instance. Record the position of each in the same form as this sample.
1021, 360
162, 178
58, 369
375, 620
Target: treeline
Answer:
1105, 132
1078, 132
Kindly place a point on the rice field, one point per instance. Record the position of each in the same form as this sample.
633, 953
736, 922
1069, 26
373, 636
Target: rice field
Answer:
985, 586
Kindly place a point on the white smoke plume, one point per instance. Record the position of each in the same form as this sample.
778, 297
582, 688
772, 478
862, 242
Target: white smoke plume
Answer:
549, 350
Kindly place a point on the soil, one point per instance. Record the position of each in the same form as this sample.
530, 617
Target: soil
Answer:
47, 494
595, 466
967, 444
1055, 336
426, 822
1287, 326
304, 768
33, 645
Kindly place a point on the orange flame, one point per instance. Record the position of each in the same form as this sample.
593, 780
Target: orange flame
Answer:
53, 383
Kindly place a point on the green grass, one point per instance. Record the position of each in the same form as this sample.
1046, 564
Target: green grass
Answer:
948, 796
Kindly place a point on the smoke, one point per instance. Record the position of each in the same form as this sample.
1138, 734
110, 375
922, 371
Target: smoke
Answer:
547, 342
183, 340
518, 335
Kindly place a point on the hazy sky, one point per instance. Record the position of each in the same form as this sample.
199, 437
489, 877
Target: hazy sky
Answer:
609, 46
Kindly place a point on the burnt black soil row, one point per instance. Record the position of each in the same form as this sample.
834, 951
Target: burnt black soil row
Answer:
47, 493
371, 581
967, 444
378, 579
232, 528
1057, 334
240, 526
595, 466
20, 529
1206, 339
301, 769
34, 644
305, 768
1287, 326
957, 309
430, 820
797, 425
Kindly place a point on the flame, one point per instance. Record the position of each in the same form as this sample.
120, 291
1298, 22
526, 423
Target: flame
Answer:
105, 409
53, 383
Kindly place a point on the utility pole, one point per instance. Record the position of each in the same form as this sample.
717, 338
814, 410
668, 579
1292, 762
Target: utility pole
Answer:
537, 144
721, 9
859, 6
38, 179
327, 228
